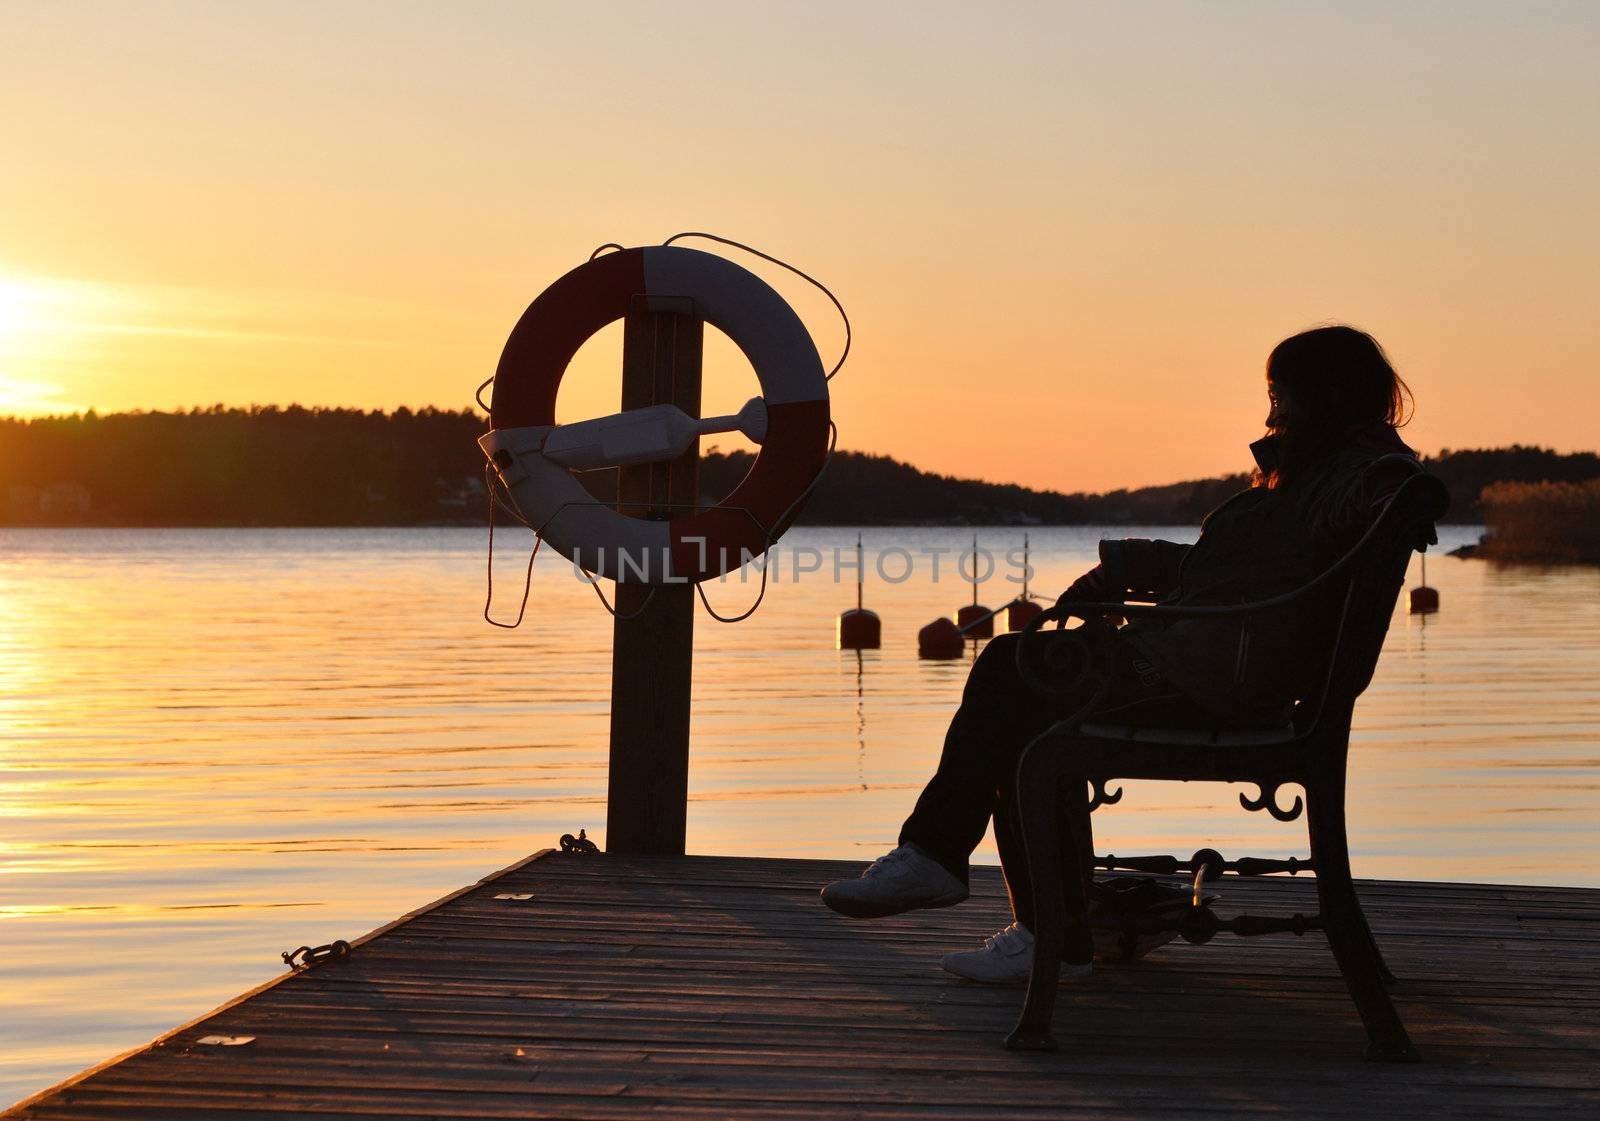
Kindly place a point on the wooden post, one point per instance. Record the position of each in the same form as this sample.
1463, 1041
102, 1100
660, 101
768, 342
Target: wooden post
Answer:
653, 651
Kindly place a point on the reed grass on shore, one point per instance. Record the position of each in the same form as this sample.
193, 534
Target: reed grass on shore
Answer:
1553, 522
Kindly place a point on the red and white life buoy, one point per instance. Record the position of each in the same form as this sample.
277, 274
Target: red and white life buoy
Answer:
707, 543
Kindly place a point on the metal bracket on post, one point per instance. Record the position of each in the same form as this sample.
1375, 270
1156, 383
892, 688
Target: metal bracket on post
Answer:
653, 636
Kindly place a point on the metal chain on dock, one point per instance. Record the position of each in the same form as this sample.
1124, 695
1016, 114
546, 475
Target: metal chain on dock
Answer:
579, 845
302, 957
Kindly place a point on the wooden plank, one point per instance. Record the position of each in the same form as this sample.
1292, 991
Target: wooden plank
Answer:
469, 1065
716, 987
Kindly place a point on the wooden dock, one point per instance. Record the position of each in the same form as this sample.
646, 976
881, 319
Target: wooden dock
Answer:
708, 987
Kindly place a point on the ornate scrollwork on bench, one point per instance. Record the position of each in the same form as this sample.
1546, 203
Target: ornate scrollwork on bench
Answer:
1171, 865
1268, 800
1098, 796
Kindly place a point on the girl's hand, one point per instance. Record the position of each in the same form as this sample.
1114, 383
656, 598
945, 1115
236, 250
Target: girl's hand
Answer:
1092, 587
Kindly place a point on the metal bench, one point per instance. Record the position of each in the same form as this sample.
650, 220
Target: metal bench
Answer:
1063, 775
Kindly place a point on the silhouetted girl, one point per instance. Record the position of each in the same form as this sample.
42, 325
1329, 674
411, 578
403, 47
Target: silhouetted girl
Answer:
1335, 402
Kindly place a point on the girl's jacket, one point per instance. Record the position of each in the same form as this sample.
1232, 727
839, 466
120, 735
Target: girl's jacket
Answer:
1260, 543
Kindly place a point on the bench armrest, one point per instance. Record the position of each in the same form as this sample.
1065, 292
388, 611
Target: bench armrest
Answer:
1420, 488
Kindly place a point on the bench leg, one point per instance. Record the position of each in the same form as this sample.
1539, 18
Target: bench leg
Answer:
1039, 819
1390, 981
1053, 812
1346, 927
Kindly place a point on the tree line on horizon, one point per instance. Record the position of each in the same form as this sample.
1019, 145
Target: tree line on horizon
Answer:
294, 466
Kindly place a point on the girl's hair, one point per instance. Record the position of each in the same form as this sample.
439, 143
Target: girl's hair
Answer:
1338, 379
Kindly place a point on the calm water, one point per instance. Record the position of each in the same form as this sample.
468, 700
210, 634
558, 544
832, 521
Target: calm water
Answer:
216, 745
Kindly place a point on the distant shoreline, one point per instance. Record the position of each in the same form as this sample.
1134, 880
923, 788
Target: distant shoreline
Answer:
1525, 560
292, 467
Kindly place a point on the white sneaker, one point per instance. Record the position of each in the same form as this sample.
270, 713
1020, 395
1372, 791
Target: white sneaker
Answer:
905, 879
1006, 959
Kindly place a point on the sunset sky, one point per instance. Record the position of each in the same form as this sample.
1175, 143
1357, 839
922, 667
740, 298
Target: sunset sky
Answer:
1067, 234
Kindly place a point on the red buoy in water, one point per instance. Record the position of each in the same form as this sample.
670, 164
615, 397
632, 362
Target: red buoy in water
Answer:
1022, 610
941, 639
975, 620
860, 629
1424, 600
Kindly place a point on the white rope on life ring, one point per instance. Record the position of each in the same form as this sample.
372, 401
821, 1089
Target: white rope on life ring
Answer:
791, 420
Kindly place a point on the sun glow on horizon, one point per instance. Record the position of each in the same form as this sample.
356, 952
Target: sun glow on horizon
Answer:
28, 305
43, 324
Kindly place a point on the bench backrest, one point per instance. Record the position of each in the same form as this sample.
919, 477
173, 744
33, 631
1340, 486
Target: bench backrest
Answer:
1371, 587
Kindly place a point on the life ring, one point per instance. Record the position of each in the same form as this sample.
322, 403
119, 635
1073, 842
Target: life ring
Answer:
709, 542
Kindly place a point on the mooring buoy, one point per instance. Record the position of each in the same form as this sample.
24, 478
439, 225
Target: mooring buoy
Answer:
941, 640
975, 620
860, 629
1022, 610
1423, 599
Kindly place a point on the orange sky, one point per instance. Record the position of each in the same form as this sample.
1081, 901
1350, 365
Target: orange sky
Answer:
1067, 234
